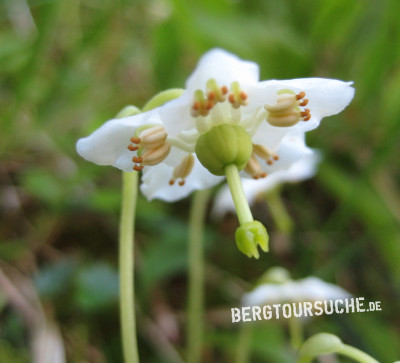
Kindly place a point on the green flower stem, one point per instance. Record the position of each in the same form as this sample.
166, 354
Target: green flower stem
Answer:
296, 332
196, 276
356, 354
243, 347
126, 267
239, 198
278, 211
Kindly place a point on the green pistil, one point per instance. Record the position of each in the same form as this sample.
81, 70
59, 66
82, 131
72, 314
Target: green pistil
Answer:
251, 233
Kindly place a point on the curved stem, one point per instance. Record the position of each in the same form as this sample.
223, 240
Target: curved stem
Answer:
126, 267
196, 276
238, 196
356, 354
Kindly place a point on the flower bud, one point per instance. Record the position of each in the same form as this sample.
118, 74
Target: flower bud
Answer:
319, 344
224, 145
250, 235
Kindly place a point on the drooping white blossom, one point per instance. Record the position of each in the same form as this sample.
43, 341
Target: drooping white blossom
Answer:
307, 289
223, 90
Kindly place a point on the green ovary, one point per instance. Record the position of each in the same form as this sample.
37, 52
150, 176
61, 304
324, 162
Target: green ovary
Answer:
224, 145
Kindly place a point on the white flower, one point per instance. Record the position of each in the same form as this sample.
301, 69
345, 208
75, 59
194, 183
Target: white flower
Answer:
308, 289
223, 90
302, 169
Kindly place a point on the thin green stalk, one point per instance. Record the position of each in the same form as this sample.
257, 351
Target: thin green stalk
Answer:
196, 276
126, 267
278, 211
243, 347
239, 198
356, 354
296, 332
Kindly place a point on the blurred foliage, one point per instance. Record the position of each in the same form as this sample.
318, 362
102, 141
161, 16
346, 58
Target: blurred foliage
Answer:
67, 66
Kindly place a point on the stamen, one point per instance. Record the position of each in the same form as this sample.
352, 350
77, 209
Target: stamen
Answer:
182, 171
253, 168
151, 146
304, 102
237, 97
135, 140
137, 159
286, 111
133, 148
153, 137
156, 155
265, 153
211, 96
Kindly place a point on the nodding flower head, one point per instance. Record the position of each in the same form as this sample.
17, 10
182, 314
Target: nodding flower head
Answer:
225, 117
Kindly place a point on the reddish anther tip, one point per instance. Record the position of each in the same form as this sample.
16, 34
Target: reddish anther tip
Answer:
307, 117
270, 162
300, 95
196, 106
255, 177
132, 148
137, 159
263, 175
224, 90
306, 112
276, 157
171, 182
138, 167
181, 183
209, 105
135, 140
231, 98
304, 102
211, 96
243, 96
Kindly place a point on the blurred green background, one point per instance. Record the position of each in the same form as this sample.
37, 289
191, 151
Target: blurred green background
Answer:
68, 66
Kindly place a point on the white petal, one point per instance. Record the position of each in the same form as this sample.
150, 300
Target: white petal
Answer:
303, 169
308, 289
326, 96
313, 288
175, 115
155, 181
108, 144
270, 136
225, 68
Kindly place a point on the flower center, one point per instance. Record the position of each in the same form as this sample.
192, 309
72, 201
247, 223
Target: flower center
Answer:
217, 105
